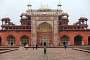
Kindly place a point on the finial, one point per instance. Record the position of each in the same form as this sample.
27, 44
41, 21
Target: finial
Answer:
59, 5
29, 5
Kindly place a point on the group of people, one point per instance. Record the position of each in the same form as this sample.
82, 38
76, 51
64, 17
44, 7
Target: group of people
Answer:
45, 47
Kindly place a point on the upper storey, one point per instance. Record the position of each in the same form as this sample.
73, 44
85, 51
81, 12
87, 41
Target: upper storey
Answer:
53, 14
28, 16
43, 12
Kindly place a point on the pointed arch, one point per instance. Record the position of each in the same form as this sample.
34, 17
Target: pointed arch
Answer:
11, 40
78, 40
64, 38
44, 27
24, 40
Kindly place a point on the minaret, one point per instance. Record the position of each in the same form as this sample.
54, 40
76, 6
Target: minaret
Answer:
59, 5
29, 6
59, 11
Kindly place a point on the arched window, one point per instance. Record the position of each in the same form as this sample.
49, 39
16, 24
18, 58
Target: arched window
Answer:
11, 40
78, 40
64, 39
24, 40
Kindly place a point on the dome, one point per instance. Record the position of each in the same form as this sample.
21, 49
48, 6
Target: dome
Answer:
65, 14
6, 18
24, 17
83, 18
64, 17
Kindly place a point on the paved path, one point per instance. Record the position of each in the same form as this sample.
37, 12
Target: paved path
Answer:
52, 54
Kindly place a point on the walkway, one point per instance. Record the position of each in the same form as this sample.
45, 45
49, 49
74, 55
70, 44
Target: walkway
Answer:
52, 54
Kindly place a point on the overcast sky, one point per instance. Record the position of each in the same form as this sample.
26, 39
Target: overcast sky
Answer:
75, 8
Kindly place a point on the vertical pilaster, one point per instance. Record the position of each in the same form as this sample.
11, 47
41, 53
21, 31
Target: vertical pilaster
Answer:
55, 24
33, 33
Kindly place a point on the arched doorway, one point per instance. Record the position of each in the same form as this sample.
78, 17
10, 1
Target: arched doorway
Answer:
11, 40
0, 41
78, 40
88, 40
24, 40
64, 39
44, 34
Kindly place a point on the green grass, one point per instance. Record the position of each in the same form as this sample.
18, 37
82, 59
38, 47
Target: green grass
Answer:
85, 47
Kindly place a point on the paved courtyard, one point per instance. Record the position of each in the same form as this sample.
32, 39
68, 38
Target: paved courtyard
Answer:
52, 54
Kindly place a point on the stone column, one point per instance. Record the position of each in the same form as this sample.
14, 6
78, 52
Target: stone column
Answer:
55, 24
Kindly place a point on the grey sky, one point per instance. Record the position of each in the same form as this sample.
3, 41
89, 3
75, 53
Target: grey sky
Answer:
75, 8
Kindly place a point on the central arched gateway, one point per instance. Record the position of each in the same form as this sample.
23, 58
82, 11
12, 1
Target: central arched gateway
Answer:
44, 34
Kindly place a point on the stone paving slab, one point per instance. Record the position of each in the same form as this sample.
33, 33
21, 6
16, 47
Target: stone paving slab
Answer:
5, 50
84, 50
52, 54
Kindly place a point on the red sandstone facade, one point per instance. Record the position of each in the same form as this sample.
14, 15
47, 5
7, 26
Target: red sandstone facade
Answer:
44, 25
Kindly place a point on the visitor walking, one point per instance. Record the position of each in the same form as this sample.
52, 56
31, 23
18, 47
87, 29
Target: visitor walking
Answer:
44, 47
65, 45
